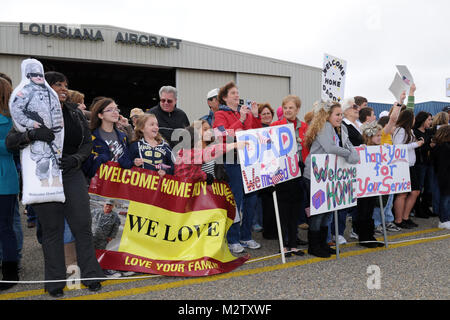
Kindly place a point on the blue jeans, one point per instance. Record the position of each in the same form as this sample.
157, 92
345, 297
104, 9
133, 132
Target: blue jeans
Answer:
388, 216
68, 236
435, 192
257, 219
320, 220
11, 237
342, 221
247, 204
31, 215
444, 208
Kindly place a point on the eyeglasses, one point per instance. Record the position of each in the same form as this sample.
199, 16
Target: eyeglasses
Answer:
112, 110
212, 98
35, 75
166, 100
356, 107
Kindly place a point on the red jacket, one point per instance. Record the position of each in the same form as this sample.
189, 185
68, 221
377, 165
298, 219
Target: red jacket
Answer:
188, 163
229, 119
302, 127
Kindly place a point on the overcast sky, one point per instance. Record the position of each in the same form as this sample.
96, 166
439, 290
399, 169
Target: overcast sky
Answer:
372, 36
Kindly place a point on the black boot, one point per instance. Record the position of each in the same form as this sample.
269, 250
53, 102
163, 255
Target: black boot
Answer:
10, 273
366, 238
314, 247
323, 240
371, 234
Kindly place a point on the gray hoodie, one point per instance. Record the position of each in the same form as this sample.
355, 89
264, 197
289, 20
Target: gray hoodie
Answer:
325, 144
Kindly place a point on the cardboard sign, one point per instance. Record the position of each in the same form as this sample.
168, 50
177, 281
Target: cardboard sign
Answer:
333, 78
35, 104
405, 75
382, 170
333, 183
270, 158
402, 82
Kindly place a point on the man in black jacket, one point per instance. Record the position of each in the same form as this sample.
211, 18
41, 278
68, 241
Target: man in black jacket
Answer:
169, 116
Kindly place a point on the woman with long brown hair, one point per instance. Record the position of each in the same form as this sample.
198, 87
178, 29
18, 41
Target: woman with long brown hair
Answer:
404, 202
110, 144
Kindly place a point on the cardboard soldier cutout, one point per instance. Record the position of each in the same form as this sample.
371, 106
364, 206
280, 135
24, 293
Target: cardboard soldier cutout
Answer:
34, 104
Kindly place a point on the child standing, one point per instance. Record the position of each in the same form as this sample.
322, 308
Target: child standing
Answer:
191, 157
149, 150
371, 134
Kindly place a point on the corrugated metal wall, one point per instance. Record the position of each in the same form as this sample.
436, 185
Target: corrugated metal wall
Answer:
261, 88
193, 85
10, 65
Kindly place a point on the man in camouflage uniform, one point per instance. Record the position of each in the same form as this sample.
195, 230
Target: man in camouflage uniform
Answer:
105, 225
35, 106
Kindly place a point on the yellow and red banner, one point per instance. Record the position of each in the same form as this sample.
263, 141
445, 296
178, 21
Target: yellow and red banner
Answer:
172, 227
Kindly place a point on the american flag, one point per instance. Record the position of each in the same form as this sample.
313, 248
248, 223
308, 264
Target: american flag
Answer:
278, 176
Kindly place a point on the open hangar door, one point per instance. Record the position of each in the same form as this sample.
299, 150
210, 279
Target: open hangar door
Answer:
130, 86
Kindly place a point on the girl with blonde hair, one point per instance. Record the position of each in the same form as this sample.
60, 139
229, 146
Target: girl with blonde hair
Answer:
148, 149
325, 135
363, 221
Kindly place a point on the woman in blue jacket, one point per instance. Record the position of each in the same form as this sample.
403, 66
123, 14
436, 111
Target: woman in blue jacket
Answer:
9, 188
109, 143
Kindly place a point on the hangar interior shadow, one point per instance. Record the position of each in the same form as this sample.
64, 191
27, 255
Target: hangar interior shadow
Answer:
129, 86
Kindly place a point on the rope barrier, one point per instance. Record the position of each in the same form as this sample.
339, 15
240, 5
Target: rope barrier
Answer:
156, 276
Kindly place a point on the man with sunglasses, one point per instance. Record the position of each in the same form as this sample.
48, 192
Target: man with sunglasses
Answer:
169, 116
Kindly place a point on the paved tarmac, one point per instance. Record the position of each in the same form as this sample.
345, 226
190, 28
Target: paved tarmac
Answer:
415, 266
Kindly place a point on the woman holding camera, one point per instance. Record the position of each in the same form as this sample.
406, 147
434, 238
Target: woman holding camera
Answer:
232, 117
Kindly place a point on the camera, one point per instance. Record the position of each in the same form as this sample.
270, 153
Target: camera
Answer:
248, 103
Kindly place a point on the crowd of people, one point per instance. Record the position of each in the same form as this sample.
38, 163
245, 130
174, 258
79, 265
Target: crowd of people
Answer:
150, 139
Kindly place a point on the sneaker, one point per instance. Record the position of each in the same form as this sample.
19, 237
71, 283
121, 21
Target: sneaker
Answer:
127, 273
411, 223
340, 239
379, 229
236, 248
392, 227
444, 225
403, 225
251, 244
353, 235
112, 273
